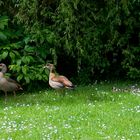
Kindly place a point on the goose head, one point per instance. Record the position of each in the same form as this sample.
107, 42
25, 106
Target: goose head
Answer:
3, 68
49, 66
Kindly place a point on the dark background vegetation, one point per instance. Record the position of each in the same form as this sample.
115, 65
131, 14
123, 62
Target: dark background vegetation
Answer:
85, 39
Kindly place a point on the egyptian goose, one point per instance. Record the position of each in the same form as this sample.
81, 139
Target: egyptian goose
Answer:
7, 84
58, 81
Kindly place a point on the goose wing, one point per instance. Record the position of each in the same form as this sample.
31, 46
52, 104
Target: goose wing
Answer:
64, 80
13, 81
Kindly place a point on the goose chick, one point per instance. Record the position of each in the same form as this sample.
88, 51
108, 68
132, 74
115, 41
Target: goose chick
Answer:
58, 81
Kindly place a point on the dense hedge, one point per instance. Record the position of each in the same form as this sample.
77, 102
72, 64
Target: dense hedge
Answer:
87, 40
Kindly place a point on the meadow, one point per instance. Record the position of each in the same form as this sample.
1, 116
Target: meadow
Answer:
94, 112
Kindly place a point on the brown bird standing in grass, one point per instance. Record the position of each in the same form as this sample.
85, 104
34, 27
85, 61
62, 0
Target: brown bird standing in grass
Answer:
58, 81
7, 84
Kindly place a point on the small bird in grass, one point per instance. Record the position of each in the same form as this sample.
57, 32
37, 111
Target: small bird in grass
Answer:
58, 81
7, 84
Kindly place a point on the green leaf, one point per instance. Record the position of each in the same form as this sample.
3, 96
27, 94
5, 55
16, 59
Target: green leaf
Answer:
28, 48
12, 55
3, 22
27, 59
19, 77
19, 62
27, 79
26, 40
75, 4
5, 47
15, 45
18, 68
4, 55
24, 59
16, 53
2, 36
24, 70
1, 2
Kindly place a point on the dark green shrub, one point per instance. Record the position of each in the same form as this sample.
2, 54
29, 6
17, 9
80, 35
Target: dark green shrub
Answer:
101, 37
23, 59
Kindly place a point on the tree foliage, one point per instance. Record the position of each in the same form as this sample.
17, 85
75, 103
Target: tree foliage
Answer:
101, 37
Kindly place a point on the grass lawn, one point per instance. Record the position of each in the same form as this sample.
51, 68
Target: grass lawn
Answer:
88, 113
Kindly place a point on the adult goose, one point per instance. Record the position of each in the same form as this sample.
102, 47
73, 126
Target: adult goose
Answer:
7, 84
58, 81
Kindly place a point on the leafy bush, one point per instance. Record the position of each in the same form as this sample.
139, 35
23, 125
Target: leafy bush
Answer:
101, 37
22, 58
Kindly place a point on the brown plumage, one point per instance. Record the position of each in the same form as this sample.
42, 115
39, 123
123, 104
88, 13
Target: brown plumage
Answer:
58, 81
7, 84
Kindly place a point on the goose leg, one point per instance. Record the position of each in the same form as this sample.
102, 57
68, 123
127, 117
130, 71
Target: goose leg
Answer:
14, 93
5, 96
62, 92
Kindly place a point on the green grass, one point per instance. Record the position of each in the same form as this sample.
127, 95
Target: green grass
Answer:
87, 113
